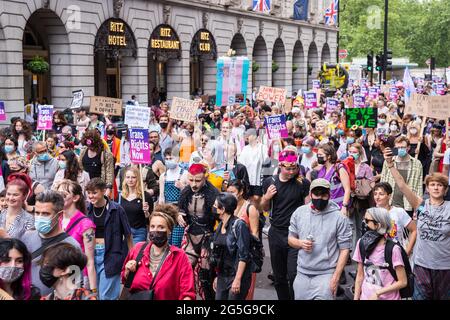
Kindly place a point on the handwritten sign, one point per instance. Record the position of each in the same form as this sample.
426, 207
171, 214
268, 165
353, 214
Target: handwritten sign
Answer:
310, 99
361, 117
288, 105
436, 107
184, 109
77, 99
276, 126
316, 84
332, 105
359, 101
271, 94
137, 117
45, 118
140, 148
102, 105
2, 111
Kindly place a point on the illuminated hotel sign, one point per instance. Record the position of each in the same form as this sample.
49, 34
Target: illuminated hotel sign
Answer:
116, 35
203, 44
164, 38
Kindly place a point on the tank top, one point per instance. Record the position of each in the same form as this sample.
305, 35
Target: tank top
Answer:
337, 191
171, 192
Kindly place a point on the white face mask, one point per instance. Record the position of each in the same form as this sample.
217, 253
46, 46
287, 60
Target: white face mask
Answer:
413, 131
393, 127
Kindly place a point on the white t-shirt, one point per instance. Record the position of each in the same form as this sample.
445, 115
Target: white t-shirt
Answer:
447, 159
399, 222
307, 162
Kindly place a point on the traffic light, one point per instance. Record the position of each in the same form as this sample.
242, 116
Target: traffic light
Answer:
388, 60
369, 63
379, 62
433, 63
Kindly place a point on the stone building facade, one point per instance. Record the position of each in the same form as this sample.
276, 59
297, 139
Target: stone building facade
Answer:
115, 47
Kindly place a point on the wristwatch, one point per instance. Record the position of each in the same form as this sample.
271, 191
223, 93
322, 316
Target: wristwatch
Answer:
345, 205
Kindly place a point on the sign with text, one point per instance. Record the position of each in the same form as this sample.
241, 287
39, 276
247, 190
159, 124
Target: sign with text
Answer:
310, 99
440, 89
276, 126
364, 91
137, 117
393, 94
184, 109
359, 101
332, 105
116, 35
272, 94
232, 80
2, 111
436, 107
77, 99
373, 93
316, 84
102, 105
288, 105
45, 118
140, 148
361, 117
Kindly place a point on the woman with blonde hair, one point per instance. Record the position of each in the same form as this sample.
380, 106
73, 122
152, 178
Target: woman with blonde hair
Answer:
135, 205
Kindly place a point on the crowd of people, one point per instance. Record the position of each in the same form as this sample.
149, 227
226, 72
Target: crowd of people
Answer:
80, 221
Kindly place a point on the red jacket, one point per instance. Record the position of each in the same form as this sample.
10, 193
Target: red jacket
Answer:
175, 280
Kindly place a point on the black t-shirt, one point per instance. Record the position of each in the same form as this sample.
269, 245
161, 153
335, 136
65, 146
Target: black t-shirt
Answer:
93, 166
290, 195
134, 211
99, 221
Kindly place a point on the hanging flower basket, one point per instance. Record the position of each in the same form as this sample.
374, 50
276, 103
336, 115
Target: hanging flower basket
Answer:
275, 66
294, 67
38, 65
255, 66
310, 68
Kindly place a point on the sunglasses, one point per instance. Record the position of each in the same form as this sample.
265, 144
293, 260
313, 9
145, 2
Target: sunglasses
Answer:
289, 168
370, 220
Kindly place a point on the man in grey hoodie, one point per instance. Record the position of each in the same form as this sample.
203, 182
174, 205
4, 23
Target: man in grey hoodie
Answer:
324, 238
43, 167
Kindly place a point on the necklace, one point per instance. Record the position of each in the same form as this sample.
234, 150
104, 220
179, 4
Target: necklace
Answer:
99, 216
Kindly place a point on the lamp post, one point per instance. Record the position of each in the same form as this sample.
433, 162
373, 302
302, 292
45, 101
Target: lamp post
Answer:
386, 9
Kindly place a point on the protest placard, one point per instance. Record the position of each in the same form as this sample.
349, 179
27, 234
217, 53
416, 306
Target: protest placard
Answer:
316, 84
77, 99
276, 126
137, 117
359, 101
140, 148
361, 117
332, 105
232, 80
2, 111
364, 91
45, 117
310, 99
436, 107
102, 105
440, 89
184, 109
373, 93
288, 105
271, 94
393, 94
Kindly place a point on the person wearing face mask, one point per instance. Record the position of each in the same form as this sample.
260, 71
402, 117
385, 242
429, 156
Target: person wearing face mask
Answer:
231, 251
373, 281
59, 121
394, 128
69, 168
382, 126
283, 194
342, 151
195, 205
9, 147
187, 139
165, 136
60, 270
48, 211
43, 167
410, 169
22, 132
15, 271
308, 156
155, 270
324, 238
154, 125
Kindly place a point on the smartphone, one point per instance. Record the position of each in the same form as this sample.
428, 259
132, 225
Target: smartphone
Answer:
395, 151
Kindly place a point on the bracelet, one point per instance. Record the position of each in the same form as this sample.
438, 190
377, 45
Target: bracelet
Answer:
94, 290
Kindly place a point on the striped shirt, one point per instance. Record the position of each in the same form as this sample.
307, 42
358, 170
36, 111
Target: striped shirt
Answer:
23, 222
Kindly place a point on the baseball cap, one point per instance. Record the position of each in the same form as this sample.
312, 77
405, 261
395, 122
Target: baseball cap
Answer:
319, 183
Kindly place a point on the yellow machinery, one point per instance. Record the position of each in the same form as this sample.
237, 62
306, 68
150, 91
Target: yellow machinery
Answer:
334, 76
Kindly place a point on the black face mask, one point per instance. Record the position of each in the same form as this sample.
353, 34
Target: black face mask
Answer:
321, 160
159, 238
320, 204
364, 228
47, 277
163, 125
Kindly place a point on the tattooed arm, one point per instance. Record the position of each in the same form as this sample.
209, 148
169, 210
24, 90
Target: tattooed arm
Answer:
89, 248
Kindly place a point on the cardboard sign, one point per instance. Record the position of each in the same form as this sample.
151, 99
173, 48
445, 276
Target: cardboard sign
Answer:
332, 105
359, 101
77, 99
361, 117
288, 105
310, 99
45, 118
316, 84
137, 117
276, 126
393, 94
102, 105
2, 111
271, 94
184, 109
429, 106
140, 147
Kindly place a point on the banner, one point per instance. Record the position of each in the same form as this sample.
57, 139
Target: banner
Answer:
137, 117
440, 89
140, 148
436, 107
272, 94
310, 100
393, 94
45, 117
77, 99
232, 79
2, 111
102, 105
359, 101
184, 109
316, 84
332, 105
276, 126
361, 117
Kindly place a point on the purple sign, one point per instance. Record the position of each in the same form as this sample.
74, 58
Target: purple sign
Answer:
45, 118
440, 89
393, 94
373, 93
316, 84
140, 147
276, 126
2, 111
359, 101
364, 91
419, 89
363, 83
310, 100
332, 105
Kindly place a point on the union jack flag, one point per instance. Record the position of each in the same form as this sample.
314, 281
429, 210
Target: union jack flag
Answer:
331, 14
261, 6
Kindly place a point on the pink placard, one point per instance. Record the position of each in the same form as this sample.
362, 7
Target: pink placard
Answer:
2, 111
140, 147
45, 118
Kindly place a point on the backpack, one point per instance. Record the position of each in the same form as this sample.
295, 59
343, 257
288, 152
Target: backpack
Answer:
257, 253
407, 291
349, 165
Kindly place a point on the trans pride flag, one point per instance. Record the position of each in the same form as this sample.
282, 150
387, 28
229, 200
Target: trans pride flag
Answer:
232, 79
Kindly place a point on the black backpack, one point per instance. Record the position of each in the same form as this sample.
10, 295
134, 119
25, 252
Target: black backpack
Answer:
407, 291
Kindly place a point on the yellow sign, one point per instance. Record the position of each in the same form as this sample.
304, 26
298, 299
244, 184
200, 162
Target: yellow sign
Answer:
117, 34
165, 44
